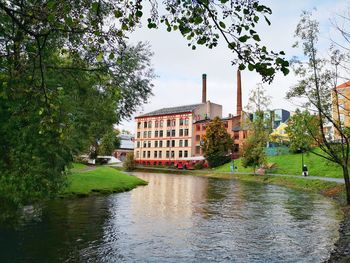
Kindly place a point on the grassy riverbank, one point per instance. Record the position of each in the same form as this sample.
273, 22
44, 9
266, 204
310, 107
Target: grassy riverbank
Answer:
101, 179
291, 164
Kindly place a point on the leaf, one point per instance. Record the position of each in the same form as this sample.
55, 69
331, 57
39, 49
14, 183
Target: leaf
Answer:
256, 19
251, 67
118, 13
99, 57
241, 67
232, 45
94, 6
256, 37
111, 56
243, 38
267, 21
139, 13
222, 24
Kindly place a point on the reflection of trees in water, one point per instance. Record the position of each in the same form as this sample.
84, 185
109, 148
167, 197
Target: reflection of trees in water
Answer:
64, 229
300, 205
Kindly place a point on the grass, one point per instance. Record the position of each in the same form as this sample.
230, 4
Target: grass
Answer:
291, 164
102, 179
77, 166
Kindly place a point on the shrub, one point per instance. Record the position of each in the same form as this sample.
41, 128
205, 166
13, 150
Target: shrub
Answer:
129, 163
199, 166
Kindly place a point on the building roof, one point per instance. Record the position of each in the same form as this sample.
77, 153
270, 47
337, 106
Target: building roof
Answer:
126, 141
171, 110
344, 85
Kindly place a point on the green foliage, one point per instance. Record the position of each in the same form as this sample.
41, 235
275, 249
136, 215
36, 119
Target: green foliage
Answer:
66, 76
302, 130
199, 166
218, 144
129, 163
109, 142
253, 153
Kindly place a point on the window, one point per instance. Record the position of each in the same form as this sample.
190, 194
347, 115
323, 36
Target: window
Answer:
156, 144
198, 127
156, 134
149, 134
150, 124
160, 154
180, 143
186, 132
226, 124
186, 144
236, 135
173, 122
198, 138
198, 149
148, 154
145, 124
172, 154
160, 133
149, 144
186, 122
168, 143
173, 143
180, 154
168, 123
185, 154
168, 132
181, 132
138, 145
161, 123
138, 125
144, 144
144, 154
137, 154
156, 124
203, 127
155, 154
138, 134
181, 122
167, 154
173, 134
144, 134
160, 143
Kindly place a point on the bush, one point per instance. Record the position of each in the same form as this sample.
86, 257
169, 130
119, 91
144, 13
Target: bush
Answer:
214, 160
199, 166
129, 163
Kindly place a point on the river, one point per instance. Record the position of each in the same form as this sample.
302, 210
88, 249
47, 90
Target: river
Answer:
178, 218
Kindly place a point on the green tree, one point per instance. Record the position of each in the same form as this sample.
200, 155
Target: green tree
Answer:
109, 142
218, 144
302, 127
129, 163
253, 151
317, 80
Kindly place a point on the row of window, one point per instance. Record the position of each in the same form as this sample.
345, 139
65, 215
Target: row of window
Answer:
159, 144
159, 154
160, 133
169, 123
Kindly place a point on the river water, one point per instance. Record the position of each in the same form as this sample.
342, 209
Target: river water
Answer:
178, 219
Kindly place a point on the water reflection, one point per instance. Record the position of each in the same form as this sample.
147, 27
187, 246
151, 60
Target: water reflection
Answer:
179, 219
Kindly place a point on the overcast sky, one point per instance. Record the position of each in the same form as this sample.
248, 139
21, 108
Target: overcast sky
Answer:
179, 69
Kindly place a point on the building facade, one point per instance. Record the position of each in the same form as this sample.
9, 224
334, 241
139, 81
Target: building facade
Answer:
341, 106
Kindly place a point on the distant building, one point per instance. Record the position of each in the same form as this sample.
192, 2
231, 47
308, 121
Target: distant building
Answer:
171, 135
126, 146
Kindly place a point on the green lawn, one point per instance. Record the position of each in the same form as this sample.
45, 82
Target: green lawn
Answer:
77, 166
291, 164
102, 179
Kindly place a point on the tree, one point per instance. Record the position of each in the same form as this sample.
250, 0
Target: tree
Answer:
317, 82
302, 127
65, 78
109, 142
253, 151
129, 163
218, 144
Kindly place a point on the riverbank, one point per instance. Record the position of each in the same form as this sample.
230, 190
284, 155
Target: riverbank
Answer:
84, 181
334, 190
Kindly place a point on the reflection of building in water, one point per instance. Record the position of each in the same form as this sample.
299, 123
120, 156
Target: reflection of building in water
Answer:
176, 196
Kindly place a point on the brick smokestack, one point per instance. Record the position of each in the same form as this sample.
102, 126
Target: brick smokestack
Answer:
239, 93
204, 88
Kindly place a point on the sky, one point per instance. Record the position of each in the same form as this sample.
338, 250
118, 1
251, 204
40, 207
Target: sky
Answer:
179, 69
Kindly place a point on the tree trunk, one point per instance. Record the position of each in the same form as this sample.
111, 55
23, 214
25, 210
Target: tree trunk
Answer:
347, 183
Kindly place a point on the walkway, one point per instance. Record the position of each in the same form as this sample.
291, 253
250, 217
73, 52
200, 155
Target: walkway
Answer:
322, 178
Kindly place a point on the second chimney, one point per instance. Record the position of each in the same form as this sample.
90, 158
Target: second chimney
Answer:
204, 88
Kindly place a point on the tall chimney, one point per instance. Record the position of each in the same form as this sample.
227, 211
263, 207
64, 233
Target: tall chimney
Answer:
239, 93
204, 88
